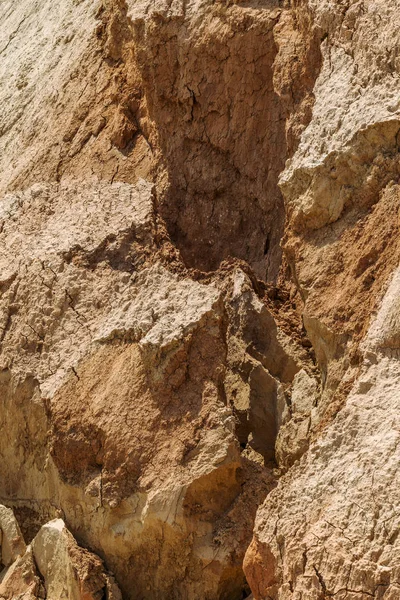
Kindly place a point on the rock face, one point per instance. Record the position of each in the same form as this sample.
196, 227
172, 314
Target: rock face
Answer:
199, 314
330, 528
53, 566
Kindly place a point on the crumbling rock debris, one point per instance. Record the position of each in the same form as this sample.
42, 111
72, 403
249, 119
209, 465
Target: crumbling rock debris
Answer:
67, 570
199, 316
52, 566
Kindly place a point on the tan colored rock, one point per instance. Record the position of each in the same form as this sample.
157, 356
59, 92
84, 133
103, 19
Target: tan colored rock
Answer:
304, 395
339, 188
69, 572
294, 435
271, 397
155, 348
384, 334
54, 566
338, 533
128, 367
21, 580
12, 543
126, 363
329, 528
62, 95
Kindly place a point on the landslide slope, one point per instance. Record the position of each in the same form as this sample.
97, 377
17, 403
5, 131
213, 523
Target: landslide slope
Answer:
199, 298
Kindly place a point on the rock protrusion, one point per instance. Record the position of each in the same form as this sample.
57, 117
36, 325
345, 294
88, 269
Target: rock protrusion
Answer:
12, 543
52, 567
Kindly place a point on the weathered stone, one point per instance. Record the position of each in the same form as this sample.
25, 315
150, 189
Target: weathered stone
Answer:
199, 250
21, 580
343, 494
12, 543
69, 572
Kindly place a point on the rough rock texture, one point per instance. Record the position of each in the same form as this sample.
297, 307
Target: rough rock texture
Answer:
199, 315
53, 566
225, 74
66, 569
12, 542
330, 528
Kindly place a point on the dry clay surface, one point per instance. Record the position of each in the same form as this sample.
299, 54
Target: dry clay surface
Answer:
199, 321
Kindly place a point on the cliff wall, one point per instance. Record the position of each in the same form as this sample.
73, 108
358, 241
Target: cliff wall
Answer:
199, 345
